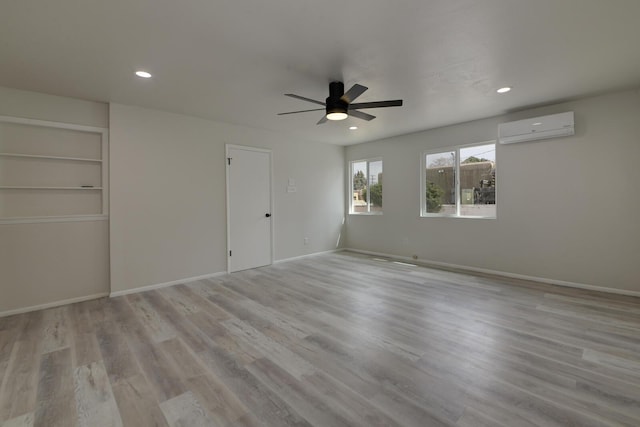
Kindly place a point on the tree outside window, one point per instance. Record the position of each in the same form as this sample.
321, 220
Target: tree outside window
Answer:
366, 186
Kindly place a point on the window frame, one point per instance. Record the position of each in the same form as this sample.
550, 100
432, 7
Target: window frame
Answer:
423, 181
350, 184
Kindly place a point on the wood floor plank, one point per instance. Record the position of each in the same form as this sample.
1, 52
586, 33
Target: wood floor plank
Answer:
625, 362
81, 315
185, 361
224, 407
95, 403
279, 354
55, 403
202, 302
407, 412
218, 334
137, 404
161, 373
294, 392
264, 404
84, 344
117, 356
159, 329
440, 398
331, 356
185, 411
57, 329
289, 325
18, 388
7, 341
248, 420
258, 314
334, 340
346, 402
184, 329
473, 418
9, 332
182, 302
25, 420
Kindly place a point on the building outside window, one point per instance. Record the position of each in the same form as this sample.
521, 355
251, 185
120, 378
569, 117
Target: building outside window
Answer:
460, 181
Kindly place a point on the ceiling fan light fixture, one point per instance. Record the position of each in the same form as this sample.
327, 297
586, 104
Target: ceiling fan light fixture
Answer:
337, 116
336, 107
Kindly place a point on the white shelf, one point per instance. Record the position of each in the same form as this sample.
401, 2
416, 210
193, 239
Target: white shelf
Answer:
47, 171
4, 187
34, 156
62, 218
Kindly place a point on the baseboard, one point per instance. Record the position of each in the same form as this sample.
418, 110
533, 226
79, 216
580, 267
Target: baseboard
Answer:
52, 304
308, 255
438, 264
165, 284
206, 276
140, 289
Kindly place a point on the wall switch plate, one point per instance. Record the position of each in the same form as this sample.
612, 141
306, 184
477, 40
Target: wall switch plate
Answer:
292, 182
306, 240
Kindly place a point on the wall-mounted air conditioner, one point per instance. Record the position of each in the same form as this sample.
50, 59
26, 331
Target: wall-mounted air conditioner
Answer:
545, 127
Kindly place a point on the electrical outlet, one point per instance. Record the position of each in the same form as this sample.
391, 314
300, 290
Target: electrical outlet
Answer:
306, 240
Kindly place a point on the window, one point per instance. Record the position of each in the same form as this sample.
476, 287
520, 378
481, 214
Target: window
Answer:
460, 182
366, 187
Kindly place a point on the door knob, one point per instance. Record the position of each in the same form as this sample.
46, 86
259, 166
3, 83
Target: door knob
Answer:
267, 215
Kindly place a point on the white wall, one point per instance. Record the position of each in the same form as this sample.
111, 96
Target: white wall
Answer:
168, 215
567, 208
51, 262
34, 105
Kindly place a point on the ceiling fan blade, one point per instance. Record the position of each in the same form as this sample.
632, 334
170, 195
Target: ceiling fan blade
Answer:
355, 91
378, 104
304, 99
301, 111
322, 120
361, 115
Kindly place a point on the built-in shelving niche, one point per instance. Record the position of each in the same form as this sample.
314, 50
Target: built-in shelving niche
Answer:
52, 171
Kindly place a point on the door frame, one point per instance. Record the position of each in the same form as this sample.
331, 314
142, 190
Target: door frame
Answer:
271, 200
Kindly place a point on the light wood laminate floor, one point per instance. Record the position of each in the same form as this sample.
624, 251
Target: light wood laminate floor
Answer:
332, 340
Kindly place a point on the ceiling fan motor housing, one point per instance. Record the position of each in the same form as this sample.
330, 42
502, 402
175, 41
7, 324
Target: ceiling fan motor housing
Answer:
334, 102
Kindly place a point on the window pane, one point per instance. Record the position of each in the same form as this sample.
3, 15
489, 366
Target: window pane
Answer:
441, 183
375, 186
359, 190
478, 181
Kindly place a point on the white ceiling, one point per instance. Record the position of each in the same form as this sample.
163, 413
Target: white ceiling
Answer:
232, 60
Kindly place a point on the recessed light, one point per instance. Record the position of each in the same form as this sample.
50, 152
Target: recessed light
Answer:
143, 74
504, 89
353, 128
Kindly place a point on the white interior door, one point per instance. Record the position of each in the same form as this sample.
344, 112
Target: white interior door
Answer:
248, 207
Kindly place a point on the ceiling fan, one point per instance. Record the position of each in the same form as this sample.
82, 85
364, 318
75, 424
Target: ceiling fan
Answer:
339, 105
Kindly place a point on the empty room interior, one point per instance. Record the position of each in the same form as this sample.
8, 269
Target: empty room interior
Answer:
194, 232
